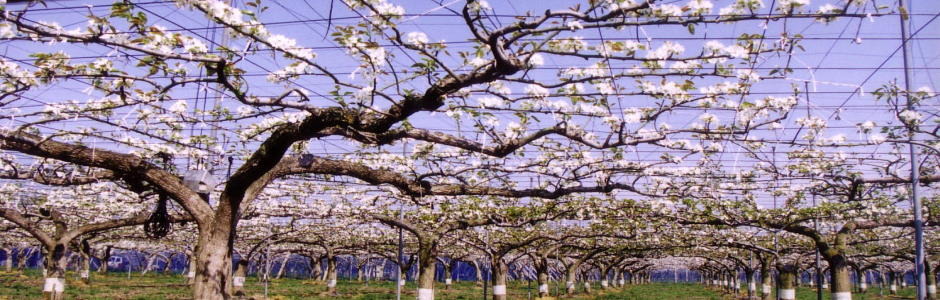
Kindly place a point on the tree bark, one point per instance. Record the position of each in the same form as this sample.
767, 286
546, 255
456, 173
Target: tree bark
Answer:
542, 277
8, 262
449, 273
213, 279
500, 276
238, 280
280, 270
331, 275
571, 273
25, 253
787, 283
315, 268
150, 261
863, 281
426, 270
55, 263
477, 272
103, 261
85, 267
841, 283
766, 280
892, 278
931, 281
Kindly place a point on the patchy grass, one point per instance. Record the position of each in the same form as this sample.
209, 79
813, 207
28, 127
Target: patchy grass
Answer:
28, 285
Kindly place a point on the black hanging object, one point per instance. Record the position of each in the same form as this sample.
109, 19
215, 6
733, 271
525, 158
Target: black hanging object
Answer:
158, 225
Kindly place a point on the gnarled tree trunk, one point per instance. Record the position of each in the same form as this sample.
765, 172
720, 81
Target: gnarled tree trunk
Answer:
500, 277
213, 278
280, 269
331, 275
8, 262
427, 267
238, 280
787, 283
55, 263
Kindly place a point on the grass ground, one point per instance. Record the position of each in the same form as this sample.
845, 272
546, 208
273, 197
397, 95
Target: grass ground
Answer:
27, 285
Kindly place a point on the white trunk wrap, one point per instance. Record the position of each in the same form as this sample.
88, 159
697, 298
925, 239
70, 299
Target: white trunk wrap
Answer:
191, 274
894, 288
825, 286
752, 286
448, 281
84, 274
425, 294
53, 284
842, 296
543, 288
238, 281
569, 284
788, 294
864, 285
931, 289
604, 283
331, 283
765, 289
622, 282
587, 284
499, 290
402, 282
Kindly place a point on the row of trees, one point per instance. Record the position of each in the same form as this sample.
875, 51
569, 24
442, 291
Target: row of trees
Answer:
282, 148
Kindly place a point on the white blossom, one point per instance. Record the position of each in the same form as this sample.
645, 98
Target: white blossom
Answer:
416, 38
910, 116
536, 91
536, 60
491, 102
179, 107
574, 25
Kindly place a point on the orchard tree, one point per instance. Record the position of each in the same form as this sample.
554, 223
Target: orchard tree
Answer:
140, 125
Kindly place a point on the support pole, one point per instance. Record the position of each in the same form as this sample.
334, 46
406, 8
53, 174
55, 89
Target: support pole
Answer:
401, 252
915, 172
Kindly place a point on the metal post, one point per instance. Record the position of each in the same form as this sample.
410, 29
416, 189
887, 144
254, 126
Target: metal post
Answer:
486, 280
915, 172
267, 258
819, 290
401, 251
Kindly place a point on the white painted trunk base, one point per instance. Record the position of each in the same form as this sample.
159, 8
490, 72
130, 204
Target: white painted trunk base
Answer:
788, 294
931, 289
543, 288
53, 284
238, 281
499, 290
842, 296
765, 289
425, 294
894, 288
752, 286
569, 284
84, 274
402, 282
331, 283
448, 281
604, 283
191, 274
